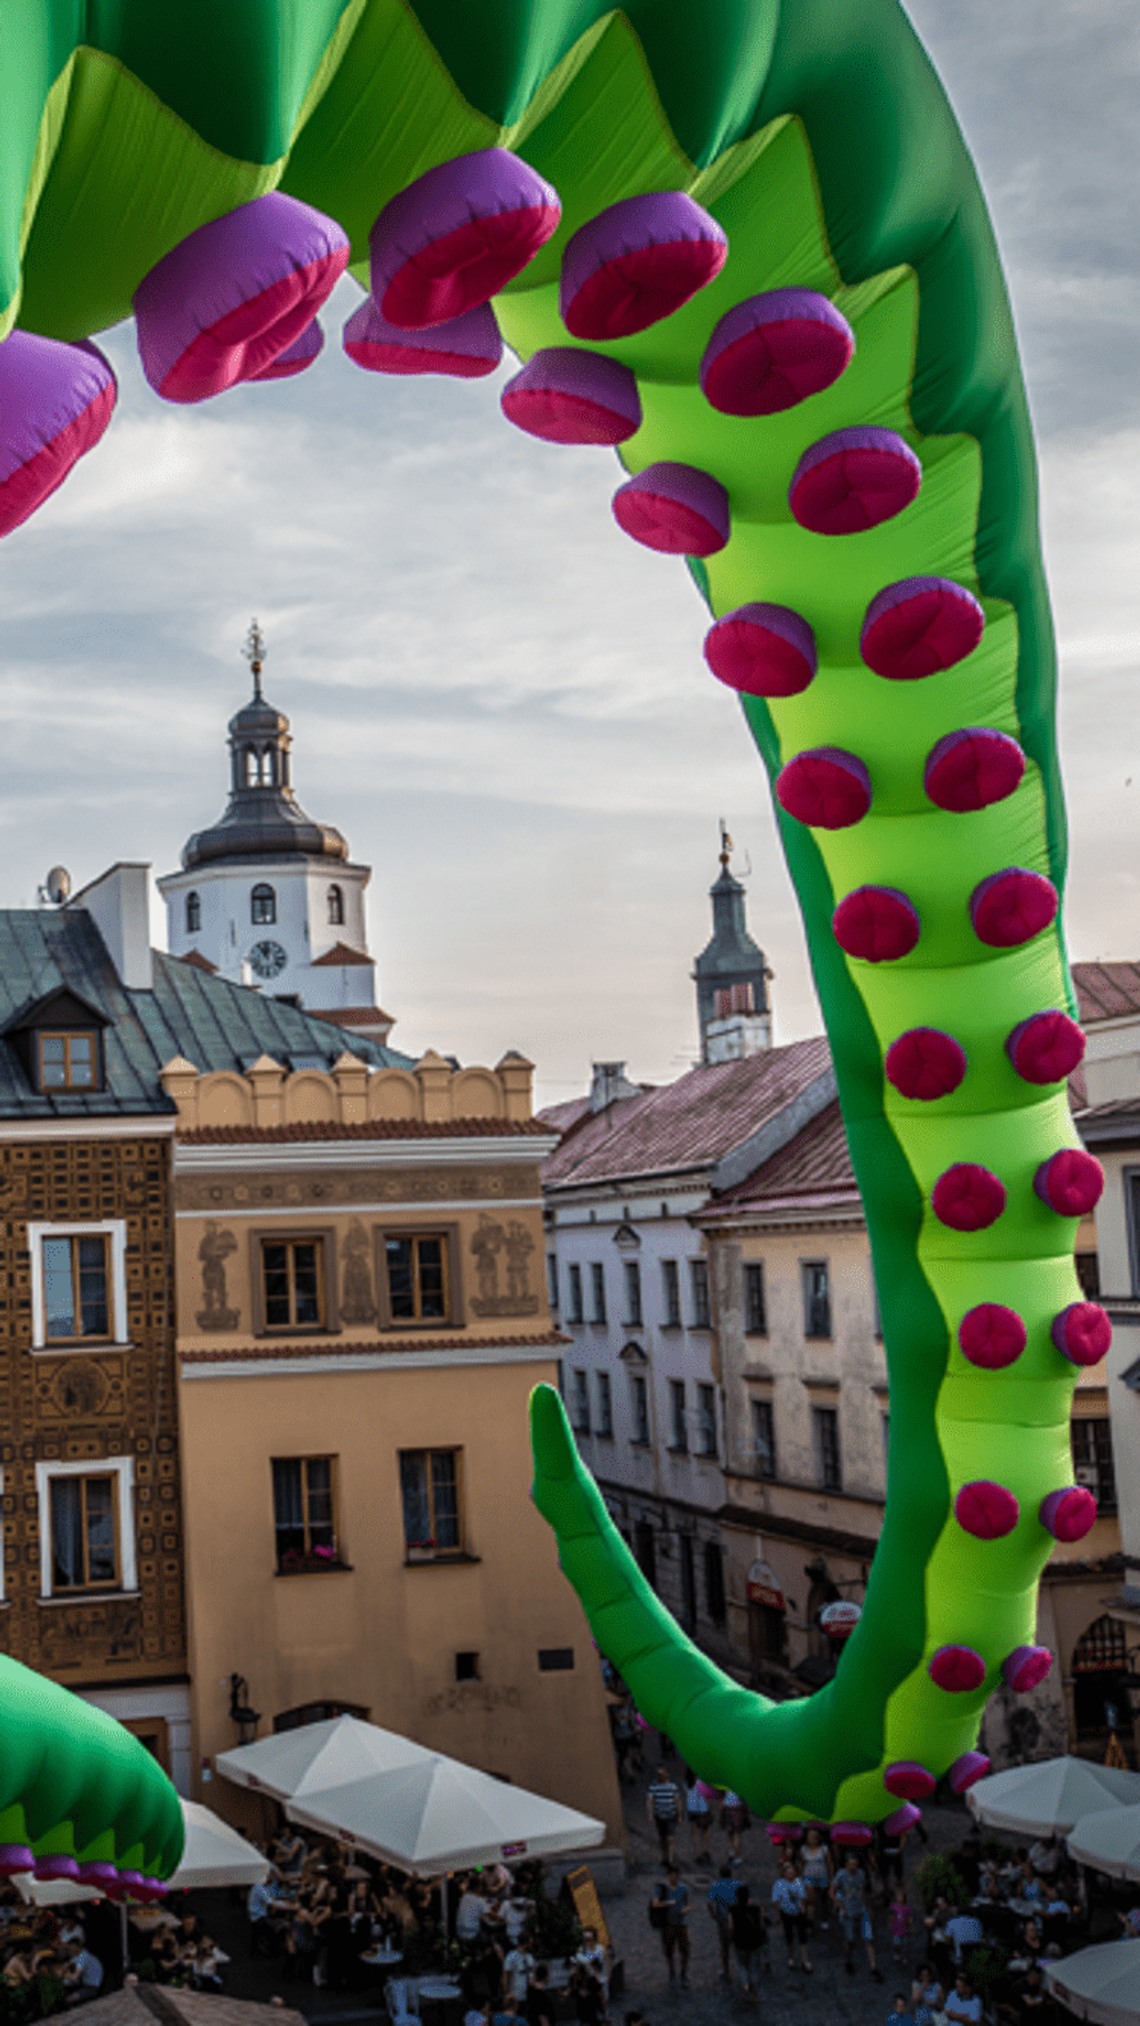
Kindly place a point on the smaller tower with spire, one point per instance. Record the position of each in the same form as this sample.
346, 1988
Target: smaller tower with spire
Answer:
731, 975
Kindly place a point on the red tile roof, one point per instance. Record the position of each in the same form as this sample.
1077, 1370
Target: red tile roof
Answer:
369, 1129
689, 1124
343, 953
333, 1347
1106, 991
813, 1172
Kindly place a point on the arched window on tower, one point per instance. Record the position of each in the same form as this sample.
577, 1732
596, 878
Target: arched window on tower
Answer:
251, 766
193, 913
268, 769
263, 905
336, 906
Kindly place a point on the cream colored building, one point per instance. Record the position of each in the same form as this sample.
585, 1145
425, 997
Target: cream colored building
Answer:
362, 1314
807, 1416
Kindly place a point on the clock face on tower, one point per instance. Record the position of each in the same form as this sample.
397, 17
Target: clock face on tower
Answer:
267, 958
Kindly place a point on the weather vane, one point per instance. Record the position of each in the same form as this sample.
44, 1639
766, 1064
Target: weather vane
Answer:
725, 839
254, 652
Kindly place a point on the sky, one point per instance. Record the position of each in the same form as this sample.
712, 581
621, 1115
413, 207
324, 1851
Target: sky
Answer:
497, 697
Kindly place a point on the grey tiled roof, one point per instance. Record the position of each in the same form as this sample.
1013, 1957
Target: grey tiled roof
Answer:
686, 1125
214, 1024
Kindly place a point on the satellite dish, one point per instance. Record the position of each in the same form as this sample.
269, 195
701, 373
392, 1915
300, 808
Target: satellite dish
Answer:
57, 885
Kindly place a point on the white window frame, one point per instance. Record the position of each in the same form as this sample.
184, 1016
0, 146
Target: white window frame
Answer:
116, 1230
122, 1469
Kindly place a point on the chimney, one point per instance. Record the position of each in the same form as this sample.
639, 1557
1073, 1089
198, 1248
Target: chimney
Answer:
608, 1083
118, 903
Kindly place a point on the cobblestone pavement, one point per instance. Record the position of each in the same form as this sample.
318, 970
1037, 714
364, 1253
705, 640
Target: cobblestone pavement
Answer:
825, 1998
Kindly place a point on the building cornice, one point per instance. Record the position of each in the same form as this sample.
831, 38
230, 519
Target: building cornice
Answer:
151, 1124
286, 1361
254, 1156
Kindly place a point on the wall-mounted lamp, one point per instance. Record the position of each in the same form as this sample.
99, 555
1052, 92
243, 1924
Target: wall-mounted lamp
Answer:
241, 1714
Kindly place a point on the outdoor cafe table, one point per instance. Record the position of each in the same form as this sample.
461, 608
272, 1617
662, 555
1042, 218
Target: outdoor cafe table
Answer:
440, 2000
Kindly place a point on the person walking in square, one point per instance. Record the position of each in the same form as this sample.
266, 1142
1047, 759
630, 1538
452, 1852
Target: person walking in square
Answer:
664, 1806
849, 1897
721, 1899
748, 1937
789, 1894
671, 1899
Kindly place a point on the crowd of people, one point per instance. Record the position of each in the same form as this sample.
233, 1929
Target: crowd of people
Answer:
1020, 1909
353, 1922
54, 1958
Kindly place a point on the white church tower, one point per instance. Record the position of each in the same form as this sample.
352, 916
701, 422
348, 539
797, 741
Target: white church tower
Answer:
267, 897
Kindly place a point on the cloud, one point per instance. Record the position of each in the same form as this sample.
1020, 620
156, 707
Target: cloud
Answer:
498, 698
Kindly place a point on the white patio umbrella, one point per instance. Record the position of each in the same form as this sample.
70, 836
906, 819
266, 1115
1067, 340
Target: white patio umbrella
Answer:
437, 1815
214, 1854
1109, 1841
1101, 1983
1046, 1799
316, 1757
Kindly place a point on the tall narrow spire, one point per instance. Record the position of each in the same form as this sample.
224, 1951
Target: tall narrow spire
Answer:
254, 652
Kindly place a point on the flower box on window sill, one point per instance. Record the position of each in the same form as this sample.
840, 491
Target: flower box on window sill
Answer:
317, 1563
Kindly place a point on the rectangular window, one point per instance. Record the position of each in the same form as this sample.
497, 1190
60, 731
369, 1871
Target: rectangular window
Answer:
886, 1423
84, 1533
639, 1411
645, 1551
78, 1284
678, 1435
598, 1292
632, 1294
1093, 1464
76, 1288
605, 1405
688, 1581
1088, 1274
817, 1298
764, 1438
699, 1290
714, 1582
552, 1280
671, 1293
555, 1659
825, 1435
304, 1520
579, 1403
755, 1305
706, 1421
575, 1315
417, 1277
69, 1061
431, 1496
292, 1283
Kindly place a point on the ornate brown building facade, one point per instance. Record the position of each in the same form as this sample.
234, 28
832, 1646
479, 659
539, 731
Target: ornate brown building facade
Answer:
93, 1567
89, 1420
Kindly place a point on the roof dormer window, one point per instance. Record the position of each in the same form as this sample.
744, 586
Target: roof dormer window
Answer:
68, 1061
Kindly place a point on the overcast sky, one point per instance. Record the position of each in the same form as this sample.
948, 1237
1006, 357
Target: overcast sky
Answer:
495, 695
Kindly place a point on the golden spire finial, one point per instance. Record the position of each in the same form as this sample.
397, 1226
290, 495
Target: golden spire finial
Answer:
254, 652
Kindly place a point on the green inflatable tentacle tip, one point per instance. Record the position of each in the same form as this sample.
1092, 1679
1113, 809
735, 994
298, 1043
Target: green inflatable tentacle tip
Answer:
744, 247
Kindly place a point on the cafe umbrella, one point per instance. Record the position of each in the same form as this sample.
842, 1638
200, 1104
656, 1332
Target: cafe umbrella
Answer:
1047, 1798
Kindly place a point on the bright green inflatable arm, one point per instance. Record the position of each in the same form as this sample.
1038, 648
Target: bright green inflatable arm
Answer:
773, 282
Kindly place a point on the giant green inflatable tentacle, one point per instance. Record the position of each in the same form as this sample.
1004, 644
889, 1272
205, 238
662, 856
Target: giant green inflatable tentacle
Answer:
815, 137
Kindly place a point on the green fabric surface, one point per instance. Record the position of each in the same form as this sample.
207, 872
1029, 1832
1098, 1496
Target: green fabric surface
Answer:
816, 132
